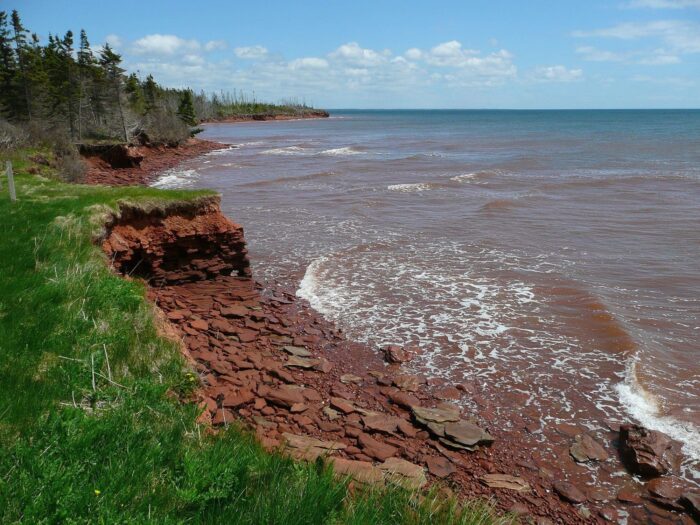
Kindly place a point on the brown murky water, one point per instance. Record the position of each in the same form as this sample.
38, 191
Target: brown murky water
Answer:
551, 259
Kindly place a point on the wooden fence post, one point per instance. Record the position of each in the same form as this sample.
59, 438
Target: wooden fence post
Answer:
11, 182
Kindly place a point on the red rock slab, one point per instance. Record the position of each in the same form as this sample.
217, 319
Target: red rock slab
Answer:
245, 335
236, 399
440, 467
360, 471
374, 448
234, 311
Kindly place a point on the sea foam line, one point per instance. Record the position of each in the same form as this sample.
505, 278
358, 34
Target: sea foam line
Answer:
644, 407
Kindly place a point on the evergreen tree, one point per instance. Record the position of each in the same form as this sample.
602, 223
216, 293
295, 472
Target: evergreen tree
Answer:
8, 70
20, 40
150, 94
186, 109
110, 62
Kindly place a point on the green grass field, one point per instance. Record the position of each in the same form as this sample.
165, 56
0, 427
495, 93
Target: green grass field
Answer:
93, 423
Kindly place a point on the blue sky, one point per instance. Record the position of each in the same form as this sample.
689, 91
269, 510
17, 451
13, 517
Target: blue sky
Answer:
403, 54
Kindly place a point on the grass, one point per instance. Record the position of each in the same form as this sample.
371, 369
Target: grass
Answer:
93, 423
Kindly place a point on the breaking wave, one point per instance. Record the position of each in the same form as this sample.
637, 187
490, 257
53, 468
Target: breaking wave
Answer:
176, 178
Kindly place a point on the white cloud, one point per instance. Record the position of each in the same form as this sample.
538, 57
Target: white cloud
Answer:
468, 63
214, 45
414, 54
662, 4
113, 40
556, 74
354, 54
251, 52
594, 54
678, 35
309, 63
158, 44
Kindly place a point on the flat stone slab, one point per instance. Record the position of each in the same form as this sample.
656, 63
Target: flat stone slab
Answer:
301, 362
360, 471
310, 447
505, 481
434, 415
585, 449
404, 473
467, 434
298, 351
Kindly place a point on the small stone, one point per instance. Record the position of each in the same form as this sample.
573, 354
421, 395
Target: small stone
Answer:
646, 452
587, 449
403, 399
381, 423
236, 399
331, 414
440, 466
301, 362
199, 324
342, 405
628, 495
350, 378
505, 481
407, 382
297, 351
360, 471
375, 449
309, 447
434, 415
404, 473
569, 492
467, 434
396, 354
234, 311
285, 397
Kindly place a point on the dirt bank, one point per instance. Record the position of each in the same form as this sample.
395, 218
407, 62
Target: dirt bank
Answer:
311, 114
121, 165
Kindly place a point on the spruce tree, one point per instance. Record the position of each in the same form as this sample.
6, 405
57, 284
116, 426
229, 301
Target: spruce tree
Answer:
186, 109
110, 62
20, 40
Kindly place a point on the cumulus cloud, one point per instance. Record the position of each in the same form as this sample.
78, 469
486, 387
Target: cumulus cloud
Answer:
354, 54
251, 52
158, 44
114, 41
214, 45
309, 63
556, 74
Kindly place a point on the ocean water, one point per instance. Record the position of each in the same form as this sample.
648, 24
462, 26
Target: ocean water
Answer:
549, 258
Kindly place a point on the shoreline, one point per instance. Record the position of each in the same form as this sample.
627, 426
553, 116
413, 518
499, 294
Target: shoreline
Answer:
355, 377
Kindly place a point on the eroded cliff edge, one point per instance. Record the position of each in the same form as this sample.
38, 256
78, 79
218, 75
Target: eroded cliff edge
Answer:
177, 242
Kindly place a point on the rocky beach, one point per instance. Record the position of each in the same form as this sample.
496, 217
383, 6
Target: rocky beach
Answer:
267, 360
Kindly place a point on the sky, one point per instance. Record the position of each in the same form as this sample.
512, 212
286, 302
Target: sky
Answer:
402, 54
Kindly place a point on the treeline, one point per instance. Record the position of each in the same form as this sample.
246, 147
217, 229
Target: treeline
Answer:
66, 87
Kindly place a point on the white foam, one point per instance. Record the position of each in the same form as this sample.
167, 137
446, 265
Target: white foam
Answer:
341, 152
644, 407
175, 178
464, 177
222, 151
289, 150
408, 188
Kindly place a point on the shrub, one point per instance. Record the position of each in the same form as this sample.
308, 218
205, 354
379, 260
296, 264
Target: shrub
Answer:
165, 128
11, 137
